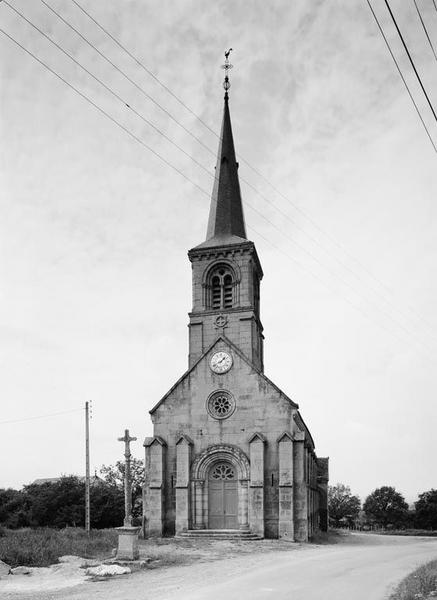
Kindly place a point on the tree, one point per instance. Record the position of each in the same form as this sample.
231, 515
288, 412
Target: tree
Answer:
426, 510
114, 476
343, 507
386, 507
56, 504
13, 512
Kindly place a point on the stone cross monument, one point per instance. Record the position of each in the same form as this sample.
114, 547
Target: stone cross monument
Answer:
127, 535
127, 478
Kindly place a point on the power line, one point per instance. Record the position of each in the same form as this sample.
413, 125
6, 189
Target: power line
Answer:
106, 87
65, 412
401, 75
107, 115
175, 120
295, 206
425, 29
134, 83
410, 59
409, 333
140, 64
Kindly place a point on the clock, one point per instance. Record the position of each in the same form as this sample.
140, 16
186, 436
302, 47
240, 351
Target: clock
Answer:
221, 362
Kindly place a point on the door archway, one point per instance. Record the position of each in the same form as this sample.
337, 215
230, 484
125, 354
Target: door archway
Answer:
222, 496
229, 497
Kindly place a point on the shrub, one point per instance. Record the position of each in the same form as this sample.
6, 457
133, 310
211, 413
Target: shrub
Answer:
418, 584
43, 547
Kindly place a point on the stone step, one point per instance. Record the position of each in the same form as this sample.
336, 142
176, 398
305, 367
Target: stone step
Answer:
220, 534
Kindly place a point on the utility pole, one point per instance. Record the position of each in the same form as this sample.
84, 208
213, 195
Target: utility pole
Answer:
87, 469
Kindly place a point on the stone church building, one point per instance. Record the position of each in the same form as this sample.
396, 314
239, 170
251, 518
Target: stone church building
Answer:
230, 450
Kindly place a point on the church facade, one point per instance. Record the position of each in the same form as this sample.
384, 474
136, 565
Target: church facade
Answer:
230, 450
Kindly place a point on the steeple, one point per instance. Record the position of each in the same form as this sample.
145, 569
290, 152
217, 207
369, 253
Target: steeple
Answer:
225, 268
226, 219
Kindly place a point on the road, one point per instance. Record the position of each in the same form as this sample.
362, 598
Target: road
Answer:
363, 567
336, 573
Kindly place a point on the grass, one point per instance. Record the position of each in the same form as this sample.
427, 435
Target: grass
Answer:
420, 584
43, 547
421, 532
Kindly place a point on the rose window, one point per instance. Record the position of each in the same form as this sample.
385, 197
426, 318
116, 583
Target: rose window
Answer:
223, 471
221, 405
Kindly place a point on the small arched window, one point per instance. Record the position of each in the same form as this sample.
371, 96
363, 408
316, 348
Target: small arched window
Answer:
221, 288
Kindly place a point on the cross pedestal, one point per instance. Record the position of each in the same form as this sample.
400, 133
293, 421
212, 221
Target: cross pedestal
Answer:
127, 535
128, 543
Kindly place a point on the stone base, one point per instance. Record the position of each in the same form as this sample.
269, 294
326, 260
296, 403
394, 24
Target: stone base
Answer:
128, 543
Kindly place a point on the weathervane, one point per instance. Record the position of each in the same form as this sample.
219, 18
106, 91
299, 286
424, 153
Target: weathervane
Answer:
226, 67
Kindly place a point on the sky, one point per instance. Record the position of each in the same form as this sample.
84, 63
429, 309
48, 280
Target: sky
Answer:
339, 182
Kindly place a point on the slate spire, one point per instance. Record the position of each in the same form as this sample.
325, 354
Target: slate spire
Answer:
226, 212
226, 219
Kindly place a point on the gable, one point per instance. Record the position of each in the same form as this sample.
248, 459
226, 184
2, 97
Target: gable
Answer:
242, 370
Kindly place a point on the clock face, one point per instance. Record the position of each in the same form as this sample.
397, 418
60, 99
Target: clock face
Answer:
221, 362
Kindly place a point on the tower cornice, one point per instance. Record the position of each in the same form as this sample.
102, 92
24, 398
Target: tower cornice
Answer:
206, 252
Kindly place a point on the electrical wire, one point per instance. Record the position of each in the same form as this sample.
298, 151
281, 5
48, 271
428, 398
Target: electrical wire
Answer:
295, 223
401, 75
106, 87
332, 240
65, 412
123, 74
113, 120
425, 29
140, 64
410, 59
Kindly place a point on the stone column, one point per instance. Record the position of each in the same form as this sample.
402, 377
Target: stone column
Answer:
153, 508
322, 484
300, 489
256, 490
199, 522
285, 453
243, 504
183, 456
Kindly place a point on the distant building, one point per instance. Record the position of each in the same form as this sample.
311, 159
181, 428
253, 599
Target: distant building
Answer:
94, 480
230, 450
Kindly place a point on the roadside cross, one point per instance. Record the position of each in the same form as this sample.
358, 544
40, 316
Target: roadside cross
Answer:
127, 439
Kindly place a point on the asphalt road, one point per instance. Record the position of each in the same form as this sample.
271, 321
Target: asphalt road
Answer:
352, 572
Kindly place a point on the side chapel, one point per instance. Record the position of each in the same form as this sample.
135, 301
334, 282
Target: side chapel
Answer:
230, 450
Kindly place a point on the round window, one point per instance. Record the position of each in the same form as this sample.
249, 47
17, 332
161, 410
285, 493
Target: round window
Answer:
220, 404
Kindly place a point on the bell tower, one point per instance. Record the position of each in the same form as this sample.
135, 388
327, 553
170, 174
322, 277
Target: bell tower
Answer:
225, 267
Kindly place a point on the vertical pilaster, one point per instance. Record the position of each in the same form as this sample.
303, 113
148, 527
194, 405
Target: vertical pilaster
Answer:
322, 484
183, 459
300, 489
286, 469
243, 505
256, 489
153, 508
199, 521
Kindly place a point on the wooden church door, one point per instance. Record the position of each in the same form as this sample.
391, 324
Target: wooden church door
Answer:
222, 497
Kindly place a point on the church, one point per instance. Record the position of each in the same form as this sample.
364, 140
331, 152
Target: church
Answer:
230, 452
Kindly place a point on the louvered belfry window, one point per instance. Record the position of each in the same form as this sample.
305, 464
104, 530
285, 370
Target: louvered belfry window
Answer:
221, 288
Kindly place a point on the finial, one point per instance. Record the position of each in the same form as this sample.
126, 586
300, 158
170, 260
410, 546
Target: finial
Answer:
226, 67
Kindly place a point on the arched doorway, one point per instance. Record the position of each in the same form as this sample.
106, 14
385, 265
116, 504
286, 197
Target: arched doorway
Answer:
229, 493
222, 496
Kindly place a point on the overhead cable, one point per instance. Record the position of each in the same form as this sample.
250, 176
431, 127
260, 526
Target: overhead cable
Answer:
113, 120
410, 59
425, 29
401, 75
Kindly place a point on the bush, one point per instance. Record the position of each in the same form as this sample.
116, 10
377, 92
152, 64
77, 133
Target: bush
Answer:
43, 547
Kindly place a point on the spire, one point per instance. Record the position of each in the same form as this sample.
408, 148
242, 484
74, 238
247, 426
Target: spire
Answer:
226, 219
